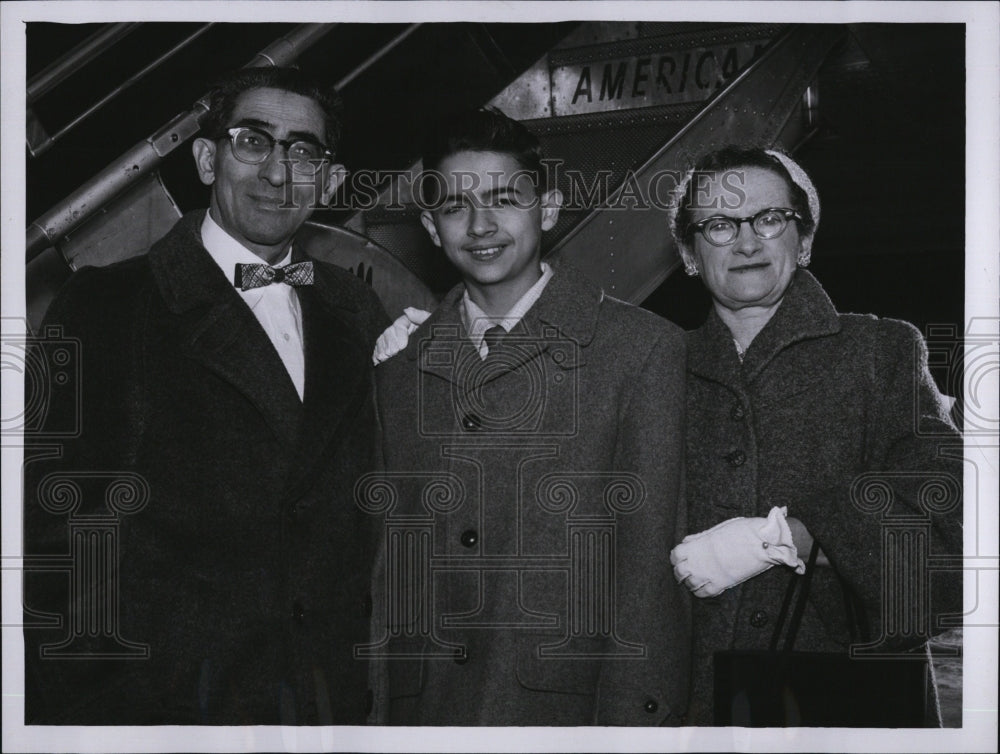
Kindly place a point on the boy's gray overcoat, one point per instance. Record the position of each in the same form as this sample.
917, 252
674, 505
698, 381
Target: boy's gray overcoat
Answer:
553, 601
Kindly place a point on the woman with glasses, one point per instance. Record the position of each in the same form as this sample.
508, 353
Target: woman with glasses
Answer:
804, 425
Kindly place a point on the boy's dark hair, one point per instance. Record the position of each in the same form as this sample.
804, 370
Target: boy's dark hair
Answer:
484, 129
732, 158
226, 89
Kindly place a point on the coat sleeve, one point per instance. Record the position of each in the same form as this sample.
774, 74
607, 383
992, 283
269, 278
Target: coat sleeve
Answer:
903, 515
653, 611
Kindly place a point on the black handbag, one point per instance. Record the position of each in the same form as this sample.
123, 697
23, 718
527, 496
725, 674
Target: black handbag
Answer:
784, 688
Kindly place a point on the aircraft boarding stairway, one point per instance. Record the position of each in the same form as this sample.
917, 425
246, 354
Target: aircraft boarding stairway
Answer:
622, 108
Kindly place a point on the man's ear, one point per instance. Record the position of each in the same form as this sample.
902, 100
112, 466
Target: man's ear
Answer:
427, 219
551, 202
336, 176
204, 159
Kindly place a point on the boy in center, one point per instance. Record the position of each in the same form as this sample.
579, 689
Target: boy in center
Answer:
533, 432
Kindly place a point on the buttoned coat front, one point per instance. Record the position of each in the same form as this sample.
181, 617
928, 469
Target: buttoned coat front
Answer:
836, 417
245, 569
535, 496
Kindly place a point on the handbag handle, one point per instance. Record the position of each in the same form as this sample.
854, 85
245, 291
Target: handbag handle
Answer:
857, 625
854, 609
800, 604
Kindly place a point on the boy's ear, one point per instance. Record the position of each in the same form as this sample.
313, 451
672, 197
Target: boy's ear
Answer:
427, 220
204, 159
551, 202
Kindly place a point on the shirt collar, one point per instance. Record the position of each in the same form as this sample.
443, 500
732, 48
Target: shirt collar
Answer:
227, 251
477, 321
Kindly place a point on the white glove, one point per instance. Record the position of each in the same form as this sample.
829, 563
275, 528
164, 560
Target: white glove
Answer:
397, 335
712, 561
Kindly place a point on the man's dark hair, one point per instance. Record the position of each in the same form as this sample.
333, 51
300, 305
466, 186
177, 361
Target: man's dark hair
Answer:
733, 158
226, 89
484, 129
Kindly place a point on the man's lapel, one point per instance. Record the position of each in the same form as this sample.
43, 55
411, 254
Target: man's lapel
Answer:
219, 331
338, 364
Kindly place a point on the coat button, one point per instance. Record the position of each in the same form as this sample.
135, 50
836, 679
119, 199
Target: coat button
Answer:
736, 458
471, 423
758, 619
651, 706
298, 611
469, 538
737, 413
369, 701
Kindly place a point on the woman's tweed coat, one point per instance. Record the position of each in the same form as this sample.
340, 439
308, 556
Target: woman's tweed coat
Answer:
819, 400
582, 417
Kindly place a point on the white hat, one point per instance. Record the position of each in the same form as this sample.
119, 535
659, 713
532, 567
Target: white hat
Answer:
798, 176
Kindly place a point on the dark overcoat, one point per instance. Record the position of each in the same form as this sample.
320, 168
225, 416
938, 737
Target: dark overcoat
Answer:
534, 497
241, 578
837, 417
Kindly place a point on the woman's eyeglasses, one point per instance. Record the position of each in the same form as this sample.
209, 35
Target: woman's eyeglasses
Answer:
720, 230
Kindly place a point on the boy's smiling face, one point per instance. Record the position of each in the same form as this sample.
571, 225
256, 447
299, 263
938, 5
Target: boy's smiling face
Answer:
489, 224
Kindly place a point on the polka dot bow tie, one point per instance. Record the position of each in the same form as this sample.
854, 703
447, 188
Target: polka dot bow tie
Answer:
258, 275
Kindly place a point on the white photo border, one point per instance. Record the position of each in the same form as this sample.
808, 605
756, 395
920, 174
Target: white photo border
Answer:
981, 301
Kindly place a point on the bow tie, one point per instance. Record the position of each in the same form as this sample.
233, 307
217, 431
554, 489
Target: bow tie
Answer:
258, 275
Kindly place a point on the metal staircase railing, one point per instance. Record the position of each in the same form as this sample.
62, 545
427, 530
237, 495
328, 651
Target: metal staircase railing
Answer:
142, 159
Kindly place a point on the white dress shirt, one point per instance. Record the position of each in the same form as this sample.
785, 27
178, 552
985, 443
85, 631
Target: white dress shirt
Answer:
275, 306
477, 322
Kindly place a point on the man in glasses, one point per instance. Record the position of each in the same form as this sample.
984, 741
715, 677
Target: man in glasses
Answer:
226, 378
